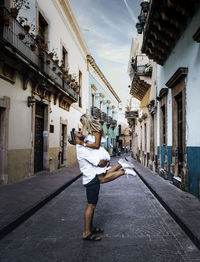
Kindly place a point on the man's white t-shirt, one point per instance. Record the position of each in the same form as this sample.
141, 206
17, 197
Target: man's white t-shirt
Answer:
89, 158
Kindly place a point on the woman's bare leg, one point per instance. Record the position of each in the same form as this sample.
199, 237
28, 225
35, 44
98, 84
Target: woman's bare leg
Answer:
110, 176
113, 168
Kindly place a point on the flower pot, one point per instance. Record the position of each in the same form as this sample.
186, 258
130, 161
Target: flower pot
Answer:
145, 6
33, 47
54, 68
44, 46
14, 12
51, 54
142, 19
21, 36
48, 61
27, 28
6, 21
140, 28
41, 54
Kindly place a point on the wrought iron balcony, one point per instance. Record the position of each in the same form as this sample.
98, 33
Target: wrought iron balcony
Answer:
103, 117
141, 66
113, 124
11, 34
131, 114
96, 112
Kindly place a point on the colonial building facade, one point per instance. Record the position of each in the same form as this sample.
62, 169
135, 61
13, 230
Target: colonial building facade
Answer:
142, 119
43, 87
103, 103
171, 36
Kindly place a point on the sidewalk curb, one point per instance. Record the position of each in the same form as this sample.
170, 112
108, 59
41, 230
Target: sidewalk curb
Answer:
11, 226
178, 220
170, 210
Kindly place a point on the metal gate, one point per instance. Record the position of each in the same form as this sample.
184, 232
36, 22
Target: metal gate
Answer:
39, 127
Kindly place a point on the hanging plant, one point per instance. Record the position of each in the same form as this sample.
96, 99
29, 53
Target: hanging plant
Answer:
21, 36
145, 6
64, 77
41, 54
51, 54
142, 18
33, 47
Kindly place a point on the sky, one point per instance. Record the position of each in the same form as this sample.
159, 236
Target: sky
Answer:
108, 27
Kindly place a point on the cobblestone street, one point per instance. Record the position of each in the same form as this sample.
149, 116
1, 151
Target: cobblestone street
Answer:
137, 228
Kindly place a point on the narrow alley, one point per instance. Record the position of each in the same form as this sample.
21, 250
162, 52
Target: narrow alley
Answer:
137, 228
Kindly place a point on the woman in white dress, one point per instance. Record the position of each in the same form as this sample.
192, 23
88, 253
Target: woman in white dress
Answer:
93, 162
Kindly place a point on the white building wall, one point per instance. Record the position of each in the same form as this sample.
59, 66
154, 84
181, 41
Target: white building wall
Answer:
19, 136
186, 54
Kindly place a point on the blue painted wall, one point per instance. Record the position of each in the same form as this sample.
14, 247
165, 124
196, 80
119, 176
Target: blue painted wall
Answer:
169, 161
193, 169
111, 133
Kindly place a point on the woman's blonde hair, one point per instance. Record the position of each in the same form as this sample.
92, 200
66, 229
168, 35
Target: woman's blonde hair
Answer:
89, 125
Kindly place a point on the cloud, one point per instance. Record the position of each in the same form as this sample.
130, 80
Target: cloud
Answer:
130, 12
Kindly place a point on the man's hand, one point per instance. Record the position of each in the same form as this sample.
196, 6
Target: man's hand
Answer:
78, 140
103, 163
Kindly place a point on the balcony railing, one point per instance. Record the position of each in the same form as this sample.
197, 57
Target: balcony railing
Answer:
141, 66
103, 116
10, 34
113, 124
96, 112
131, 114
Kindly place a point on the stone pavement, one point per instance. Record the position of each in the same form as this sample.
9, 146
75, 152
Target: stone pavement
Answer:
20, 200
183, 207
136, 228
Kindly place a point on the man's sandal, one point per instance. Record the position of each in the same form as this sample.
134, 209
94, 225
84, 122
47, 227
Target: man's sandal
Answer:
92, 237
97, 230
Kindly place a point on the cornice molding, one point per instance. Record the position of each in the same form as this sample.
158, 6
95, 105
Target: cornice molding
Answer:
163, 92
177, 76
92, 62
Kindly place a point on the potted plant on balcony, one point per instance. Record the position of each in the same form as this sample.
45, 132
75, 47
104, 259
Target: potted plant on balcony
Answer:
17, 5
142, 18
145, 6
33, 47
139, 27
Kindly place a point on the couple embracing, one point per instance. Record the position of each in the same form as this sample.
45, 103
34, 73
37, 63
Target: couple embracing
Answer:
94, 163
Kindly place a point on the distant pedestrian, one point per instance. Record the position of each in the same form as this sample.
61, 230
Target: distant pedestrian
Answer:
93, 162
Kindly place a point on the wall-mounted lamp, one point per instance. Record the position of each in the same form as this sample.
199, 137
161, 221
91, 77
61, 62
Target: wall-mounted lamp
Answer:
42, 86
31, 101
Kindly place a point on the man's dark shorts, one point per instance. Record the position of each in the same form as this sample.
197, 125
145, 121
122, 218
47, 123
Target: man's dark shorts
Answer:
92, 190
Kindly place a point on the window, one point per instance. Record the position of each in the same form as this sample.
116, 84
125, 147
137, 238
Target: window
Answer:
93, 100
163, 125
101, 102
43, 28
80, 91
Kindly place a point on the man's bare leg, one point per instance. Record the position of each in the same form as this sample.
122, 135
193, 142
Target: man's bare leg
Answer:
88, 217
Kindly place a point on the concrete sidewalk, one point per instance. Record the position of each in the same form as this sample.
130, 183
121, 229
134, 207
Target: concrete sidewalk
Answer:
183, 207
20, 200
